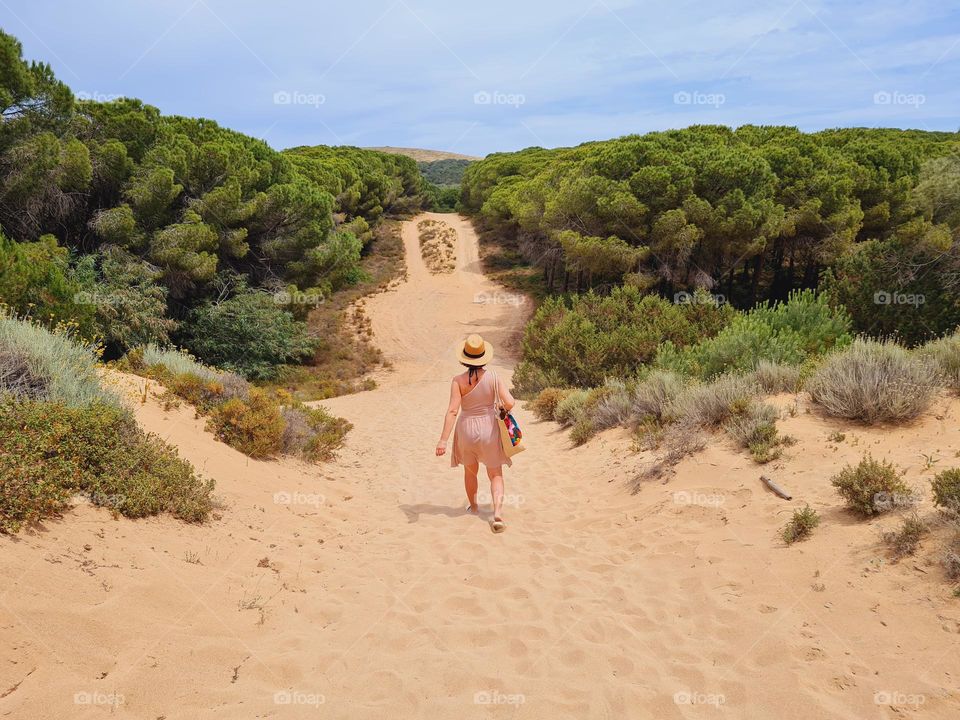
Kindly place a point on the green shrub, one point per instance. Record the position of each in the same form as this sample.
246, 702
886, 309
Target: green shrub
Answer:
801, 525
581, 340
52, 451
249, 334
312, 432
175, 362
544, 405
874, 382
583, 429
872, 486
572, 408
528, 380
946, 489
55, 360
785, 334
254, 427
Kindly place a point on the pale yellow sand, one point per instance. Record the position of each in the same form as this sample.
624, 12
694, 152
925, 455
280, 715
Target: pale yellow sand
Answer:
381, 599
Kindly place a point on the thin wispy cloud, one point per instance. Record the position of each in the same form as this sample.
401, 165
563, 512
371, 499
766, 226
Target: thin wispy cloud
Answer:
505, 75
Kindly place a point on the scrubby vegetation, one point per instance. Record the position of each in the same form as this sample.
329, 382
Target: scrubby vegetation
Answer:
438, 246
261, 423
144, 228
946, 489
905, 540
62, 434
874, 382
872, 486
801, 525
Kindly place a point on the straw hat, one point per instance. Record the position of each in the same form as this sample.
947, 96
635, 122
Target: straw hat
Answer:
476, 352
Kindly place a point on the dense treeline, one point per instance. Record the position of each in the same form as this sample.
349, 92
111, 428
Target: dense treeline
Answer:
139, 227
448, 171
751, 214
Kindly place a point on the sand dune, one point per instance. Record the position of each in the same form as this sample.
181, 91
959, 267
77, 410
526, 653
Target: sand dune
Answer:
360, 589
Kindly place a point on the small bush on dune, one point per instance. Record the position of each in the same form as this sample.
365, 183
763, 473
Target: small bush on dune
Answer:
655, 395
175, 362
56, 365
946, 489
874, 382
544, 405
872, 486
312, 433
528, 380
712, 404
572, 407
610, 405
801, 525
53, 451
583, 429
756, 430
906, 540
945, 352
254, 427
777, 378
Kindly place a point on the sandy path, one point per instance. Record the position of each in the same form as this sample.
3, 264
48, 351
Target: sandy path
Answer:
383, 599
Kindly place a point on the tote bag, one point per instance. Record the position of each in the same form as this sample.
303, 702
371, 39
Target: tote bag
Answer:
510, 436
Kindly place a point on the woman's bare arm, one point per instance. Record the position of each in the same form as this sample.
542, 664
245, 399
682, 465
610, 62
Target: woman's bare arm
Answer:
506, 399
450, 418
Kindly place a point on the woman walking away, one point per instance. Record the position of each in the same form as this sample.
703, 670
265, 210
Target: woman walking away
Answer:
477, 437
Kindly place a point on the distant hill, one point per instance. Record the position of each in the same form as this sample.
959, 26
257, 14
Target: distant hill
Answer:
444, 172
421, 155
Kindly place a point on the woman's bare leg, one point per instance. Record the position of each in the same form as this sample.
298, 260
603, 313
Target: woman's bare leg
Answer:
496, 490
470, 484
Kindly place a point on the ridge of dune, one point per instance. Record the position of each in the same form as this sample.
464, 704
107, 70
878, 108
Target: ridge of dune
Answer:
360, 588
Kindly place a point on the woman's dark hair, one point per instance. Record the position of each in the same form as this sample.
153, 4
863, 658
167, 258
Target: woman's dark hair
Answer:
472, 370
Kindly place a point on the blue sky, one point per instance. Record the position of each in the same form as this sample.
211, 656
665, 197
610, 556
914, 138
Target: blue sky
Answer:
502, 75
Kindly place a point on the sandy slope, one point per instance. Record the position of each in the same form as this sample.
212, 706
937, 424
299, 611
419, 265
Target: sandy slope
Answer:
383, 599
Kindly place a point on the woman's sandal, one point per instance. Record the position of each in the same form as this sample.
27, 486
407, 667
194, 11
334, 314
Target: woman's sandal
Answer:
498, 525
